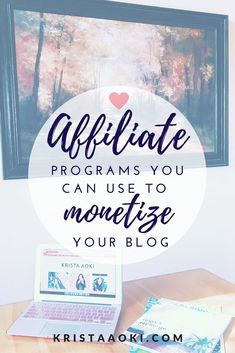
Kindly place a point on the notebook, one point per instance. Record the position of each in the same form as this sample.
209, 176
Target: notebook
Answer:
200, 329
219, 348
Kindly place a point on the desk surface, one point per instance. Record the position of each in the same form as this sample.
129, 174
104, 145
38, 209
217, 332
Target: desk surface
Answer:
196, 285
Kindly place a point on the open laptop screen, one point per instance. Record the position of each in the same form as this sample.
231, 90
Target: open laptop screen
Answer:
63, 273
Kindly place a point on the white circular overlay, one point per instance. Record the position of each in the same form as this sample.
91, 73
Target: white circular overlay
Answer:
117, 169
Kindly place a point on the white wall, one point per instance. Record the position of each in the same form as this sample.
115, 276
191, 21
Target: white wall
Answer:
210, 243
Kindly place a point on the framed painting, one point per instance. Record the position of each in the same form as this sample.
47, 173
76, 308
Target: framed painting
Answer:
53, 50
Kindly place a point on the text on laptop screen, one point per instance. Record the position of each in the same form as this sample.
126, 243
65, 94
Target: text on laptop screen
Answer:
64, 273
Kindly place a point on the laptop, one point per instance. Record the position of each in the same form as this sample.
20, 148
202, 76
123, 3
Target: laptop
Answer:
73, 295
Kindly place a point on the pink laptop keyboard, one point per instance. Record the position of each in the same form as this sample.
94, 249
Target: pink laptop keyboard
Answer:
102, 314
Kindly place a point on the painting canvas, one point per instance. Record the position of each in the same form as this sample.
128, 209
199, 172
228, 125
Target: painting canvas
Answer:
59, 57
52, 53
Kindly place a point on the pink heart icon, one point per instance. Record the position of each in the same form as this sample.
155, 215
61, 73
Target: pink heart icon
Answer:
119, 100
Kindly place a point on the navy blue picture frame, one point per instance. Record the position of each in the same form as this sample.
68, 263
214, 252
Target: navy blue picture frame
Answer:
14, 167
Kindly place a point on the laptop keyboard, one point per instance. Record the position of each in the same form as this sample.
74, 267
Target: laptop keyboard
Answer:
71, 312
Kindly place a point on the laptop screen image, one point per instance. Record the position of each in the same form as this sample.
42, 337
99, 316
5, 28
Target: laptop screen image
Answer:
67, 275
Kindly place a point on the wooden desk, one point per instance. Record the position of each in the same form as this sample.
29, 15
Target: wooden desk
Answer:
197, 285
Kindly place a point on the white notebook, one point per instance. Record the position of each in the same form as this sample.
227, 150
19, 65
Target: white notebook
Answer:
200, 329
